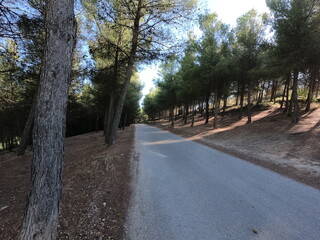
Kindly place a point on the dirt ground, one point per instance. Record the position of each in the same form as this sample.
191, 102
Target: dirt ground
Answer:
271, 141
95, 192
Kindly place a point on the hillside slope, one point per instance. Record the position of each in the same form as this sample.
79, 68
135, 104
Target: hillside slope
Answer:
95, 191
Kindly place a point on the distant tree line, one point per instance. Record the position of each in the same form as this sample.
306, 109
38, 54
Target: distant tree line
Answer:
275, 57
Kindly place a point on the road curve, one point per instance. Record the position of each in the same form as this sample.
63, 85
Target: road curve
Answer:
185, 190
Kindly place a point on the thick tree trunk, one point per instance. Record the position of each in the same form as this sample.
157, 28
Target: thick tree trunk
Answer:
249, 104
27, 128
42, 210
311, 89
111, 138
294, 97
109, 115
274, 91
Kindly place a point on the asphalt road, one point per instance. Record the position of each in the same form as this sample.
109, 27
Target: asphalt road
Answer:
185, 190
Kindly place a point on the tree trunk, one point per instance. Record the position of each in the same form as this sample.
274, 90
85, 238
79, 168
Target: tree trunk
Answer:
216, 107
111, 138
193, 114
172, 116
27, 128
225, 101
109, 117
268, 88
186, 112
287, 95
286, 86
262, 92
294, 97
207, 110
249, 104
311, 89
241, 102
201, 108
274, 91
42, 210
176, 114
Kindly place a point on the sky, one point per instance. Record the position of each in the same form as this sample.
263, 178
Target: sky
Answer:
228, 11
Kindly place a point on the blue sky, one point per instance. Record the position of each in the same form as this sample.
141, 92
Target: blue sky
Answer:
227, 10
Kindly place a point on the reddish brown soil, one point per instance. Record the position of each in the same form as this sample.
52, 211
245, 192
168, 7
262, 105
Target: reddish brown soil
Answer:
272, 140
95, 193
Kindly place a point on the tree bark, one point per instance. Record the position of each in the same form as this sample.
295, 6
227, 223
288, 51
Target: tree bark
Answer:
207, 110
216, 107
193, 114
172, 116
42, 210
201, 108
311, 89
27, 128
249, 104
108, 117
111, 138
286, 86
287, 94
186, 113
238, 90
225, 101
274, 91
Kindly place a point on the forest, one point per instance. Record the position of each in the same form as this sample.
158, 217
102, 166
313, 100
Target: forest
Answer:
94, 79
273, 57
71, 67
